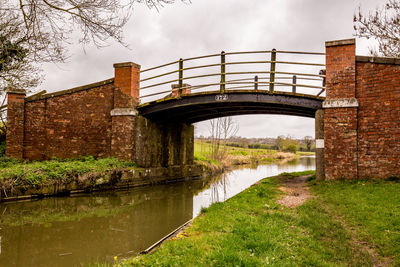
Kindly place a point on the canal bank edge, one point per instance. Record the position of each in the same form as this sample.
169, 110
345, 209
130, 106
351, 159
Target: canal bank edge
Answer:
113, 179
120, 178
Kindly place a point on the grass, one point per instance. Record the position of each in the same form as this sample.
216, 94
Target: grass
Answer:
370, 207
251, 229
236, 155
36, 173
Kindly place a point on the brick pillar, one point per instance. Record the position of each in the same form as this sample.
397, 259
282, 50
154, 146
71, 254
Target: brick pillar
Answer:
127, 76
15, 123
126, 97
340, 118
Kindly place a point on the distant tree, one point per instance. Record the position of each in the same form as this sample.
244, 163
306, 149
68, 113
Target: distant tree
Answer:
286, 143
383, 25
280, 142
308, 140
291, 148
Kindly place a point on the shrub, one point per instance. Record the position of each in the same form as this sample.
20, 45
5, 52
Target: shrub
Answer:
291, 148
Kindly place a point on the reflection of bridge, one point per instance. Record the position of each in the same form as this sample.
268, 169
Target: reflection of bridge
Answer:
136, 118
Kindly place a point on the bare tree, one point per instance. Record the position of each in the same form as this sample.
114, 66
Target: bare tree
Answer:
383, 25
16, 66
220, 130
37, 31
229, 128
49, 24
43, 28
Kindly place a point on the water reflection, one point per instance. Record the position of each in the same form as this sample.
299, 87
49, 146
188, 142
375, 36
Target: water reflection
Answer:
70, 231
232, 183
76, 230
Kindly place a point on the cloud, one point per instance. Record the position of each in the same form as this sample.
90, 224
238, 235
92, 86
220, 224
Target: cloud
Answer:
209, 26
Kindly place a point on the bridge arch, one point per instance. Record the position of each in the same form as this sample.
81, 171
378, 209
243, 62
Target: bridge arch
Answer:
209, 105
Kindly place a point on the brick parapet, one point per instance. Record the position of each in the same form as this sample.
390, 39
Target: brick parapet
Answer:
127, 77
15, 123
340, 69
378, 93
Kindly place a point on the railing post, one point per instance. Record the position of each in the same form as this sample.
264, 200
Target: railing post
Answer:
272, 71
180, 77
256, 82
222, 85
294, 84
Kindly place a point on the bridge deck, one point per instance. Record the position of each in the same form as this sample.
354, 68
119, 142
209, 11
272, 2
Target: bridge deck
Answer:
197, 107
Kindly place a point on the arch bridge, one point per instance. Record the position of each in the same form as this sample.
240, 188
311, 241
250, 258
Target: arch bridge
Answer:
234, 83
145, 115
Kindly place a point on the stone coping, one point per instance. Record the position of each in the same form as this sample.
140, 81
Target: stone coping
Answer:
340, 42
126, 64
69, 91
15, 91
378, 60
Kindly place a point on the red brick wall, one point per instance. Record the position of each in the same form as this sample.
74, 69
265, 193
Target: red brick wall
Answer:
340, 124
340, 134
70, 125
340, 71
364, 141
99, 120
378, 93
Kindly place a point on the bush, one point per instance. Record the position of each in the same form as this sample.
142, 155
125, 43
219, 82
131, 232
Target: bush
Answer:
291, 148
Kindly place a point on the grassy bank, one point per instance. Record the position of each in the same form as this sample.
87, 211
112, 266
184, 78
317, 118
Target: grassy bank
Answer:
345, 224
16, 174
230, 156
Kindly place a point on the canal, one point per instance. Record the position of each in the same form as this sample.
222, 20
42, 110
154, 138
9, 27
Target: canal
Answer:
74, 231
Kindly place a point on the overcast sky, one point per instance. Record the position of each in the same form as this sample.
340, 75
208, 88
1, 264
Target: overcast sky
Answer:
210, 26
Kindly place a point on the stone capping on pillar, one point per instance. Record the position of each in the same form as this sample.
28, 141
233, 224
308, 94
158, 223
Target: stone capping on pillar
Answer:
340, 42
123, 112
126, 64
340, 103
15, 91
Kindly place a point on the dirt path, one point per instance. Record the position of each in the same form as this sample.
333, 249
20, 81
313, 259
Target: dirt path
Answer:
297, 192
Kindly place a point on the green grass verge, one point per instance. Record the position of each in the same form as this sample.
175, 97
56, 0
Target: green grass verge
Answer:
251, 229
372, 208
35, 173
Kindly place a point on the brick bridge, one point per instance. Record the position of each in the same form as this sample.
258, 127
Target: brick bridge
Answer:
355, 101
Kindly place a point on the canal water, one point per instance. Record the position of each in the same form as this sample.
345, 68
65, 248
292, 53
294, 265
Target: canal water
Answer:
75, 231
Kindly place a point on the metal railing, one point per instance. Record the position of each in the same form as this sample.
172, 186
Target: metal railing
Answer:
273, 72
